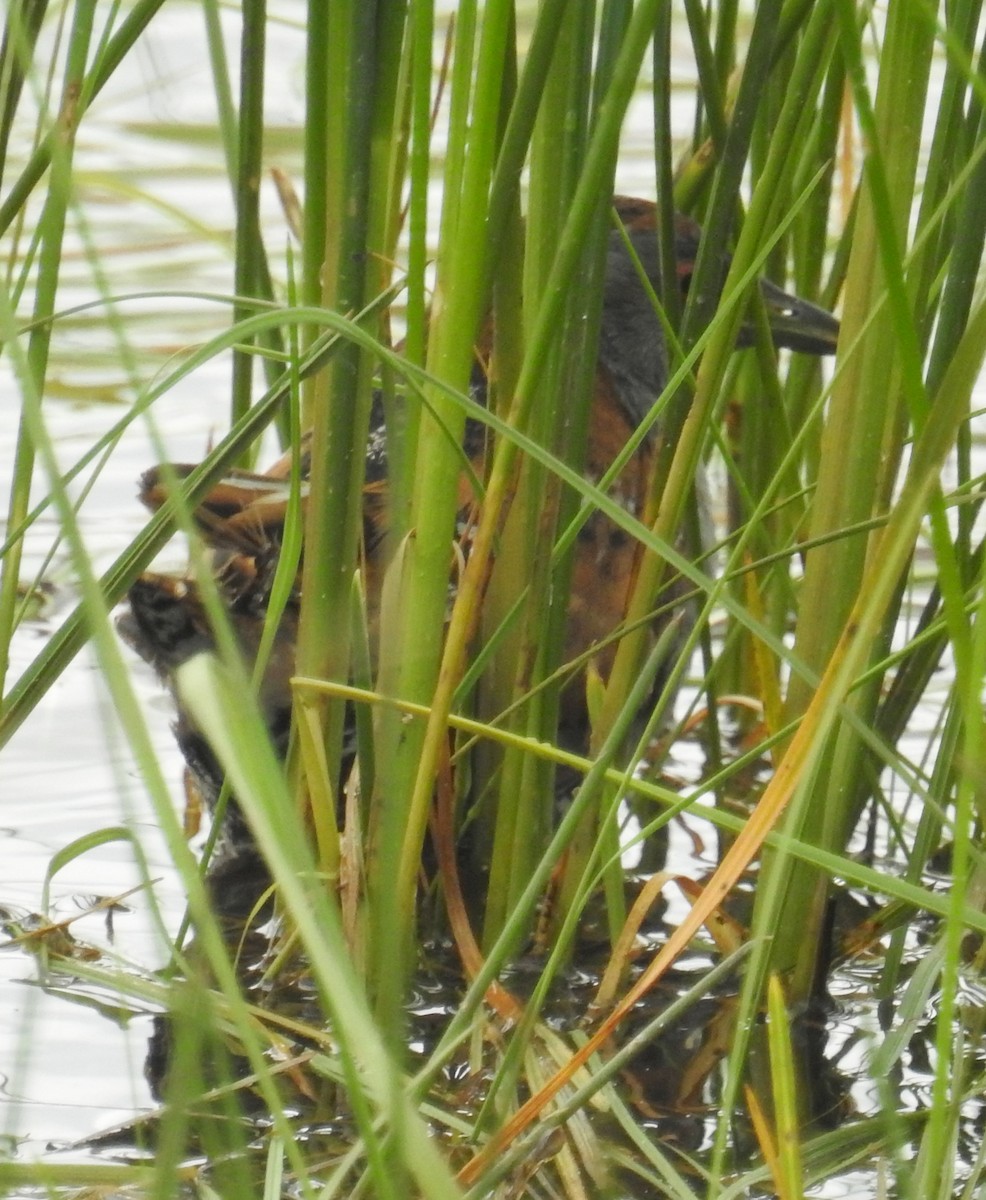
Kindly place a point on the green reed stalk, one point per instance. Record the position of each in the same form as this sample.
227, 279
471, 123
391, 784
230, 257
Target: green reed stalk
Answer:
862, 443
588, 194
958, 1035
524, 801
20, 34
764, 417
251, 275
51, 229
222, 86
348, 189
404, 426
501, 629
418, 580
574, 384
317, 77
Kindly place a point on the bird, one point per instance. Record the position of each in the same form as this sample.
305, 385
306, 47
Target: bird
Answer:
243, 516
245, 511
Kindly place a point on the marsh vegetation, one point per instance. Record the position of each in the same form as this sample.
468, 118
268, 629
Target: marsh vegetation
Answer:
540, 888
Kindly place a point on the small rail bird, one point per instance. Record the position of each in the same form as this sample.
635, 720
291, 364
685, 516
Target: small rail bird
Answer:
243, 516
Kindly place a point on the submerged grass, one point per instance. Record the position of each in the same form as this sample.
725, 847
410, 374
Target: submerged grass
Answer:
451, 845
